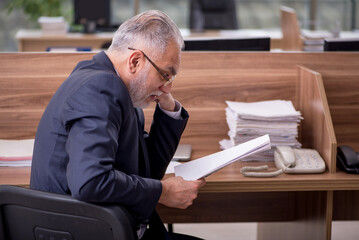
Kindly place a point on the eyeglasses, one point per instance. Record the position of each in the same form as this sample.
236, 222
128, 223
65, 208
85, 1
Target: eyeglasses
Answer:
165, 76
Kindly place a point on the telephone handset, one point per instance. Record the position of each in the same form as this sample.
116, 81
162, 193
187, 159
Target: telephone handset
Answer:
290, 160
348, 159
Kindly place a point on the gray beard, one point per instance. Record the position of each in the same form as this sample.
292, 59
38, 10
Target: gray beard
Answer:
138, 90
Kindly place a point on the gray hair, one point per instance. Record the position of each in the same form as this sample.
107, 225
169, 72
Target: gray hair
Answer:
152, 29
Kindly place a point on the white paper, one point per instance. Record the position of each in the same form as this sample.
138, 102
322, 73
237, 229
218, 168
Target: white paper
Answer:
171, 167
25, 163
264, 109
249, 120
204, 166
44, 19
16, 153
16, 148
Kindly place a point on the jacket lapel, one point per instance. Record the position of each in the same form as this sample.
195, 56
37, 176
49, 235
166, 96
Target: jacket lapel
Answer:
144, 163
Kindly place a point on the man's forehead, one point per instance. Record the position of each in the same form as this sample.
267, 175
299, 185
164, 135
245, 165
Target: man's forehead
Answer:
171, 62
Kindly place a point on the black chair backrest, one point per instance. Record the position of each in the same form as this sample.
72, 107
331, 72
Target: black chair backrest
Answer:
34, 215
212, 14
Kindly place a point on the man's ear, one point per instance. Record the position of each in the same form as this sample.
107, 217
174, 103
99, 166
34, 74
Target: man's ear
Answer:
134, 62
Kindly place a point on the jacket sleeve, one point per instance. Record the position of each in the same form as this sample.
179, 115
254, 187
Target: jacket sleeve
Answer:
163, 139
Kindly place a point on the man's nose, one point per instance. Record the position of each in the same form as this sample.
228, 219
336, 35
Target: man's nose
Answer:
166, 89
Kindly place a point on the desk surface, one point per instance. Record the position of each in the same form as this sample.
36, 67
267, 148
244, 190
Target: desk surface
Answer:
36, 41
186, 33
37, 34
229, 179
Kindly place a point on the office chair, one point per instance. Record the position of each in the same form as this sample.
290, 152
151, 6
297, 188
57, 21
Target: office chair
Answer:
34, 215
211, 14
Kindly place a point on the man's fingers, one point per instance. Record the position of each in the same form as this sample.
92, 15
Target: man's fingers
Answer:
200, 182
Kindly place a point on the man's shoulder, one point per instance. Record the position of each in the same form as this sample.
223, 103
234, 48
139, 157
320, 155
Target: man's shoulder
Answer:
94, 72
99, 62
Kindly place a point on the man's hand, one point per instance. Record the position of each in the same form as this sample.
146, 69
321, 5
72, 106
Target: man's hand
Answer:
178, 193
166, 101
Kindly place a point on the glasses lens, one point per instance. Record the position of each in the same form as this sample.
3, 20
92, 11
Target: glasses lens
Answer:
170, 80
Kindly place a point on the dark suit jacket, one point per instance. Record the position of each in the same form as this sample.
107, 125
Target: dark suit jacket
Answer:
91, 144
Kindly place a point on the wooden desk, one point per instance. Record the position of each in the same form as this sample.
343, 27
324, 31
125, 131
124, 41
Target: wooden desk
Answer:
286, 207
19, 176
279, 205
228, 180
35, 41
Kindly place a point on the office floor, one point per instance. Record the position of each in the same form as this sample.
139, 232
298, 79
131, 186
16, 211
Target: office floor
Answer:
342, 230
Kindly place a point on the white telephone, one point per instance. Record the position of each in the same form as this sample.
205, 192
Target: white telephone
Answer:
290, 160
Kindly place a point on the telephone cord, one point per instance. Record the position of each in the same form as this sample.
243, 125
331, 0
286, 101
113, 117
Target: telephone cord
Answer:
250, 171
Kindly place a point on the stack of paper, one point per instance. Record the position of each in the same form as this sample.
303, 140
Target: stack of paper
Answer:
207, 165
53, 25
246, 121
16, 153
314, 41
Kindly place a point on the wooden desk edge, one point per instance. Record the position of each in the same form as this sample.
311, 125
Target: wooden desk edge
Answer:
20, 176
